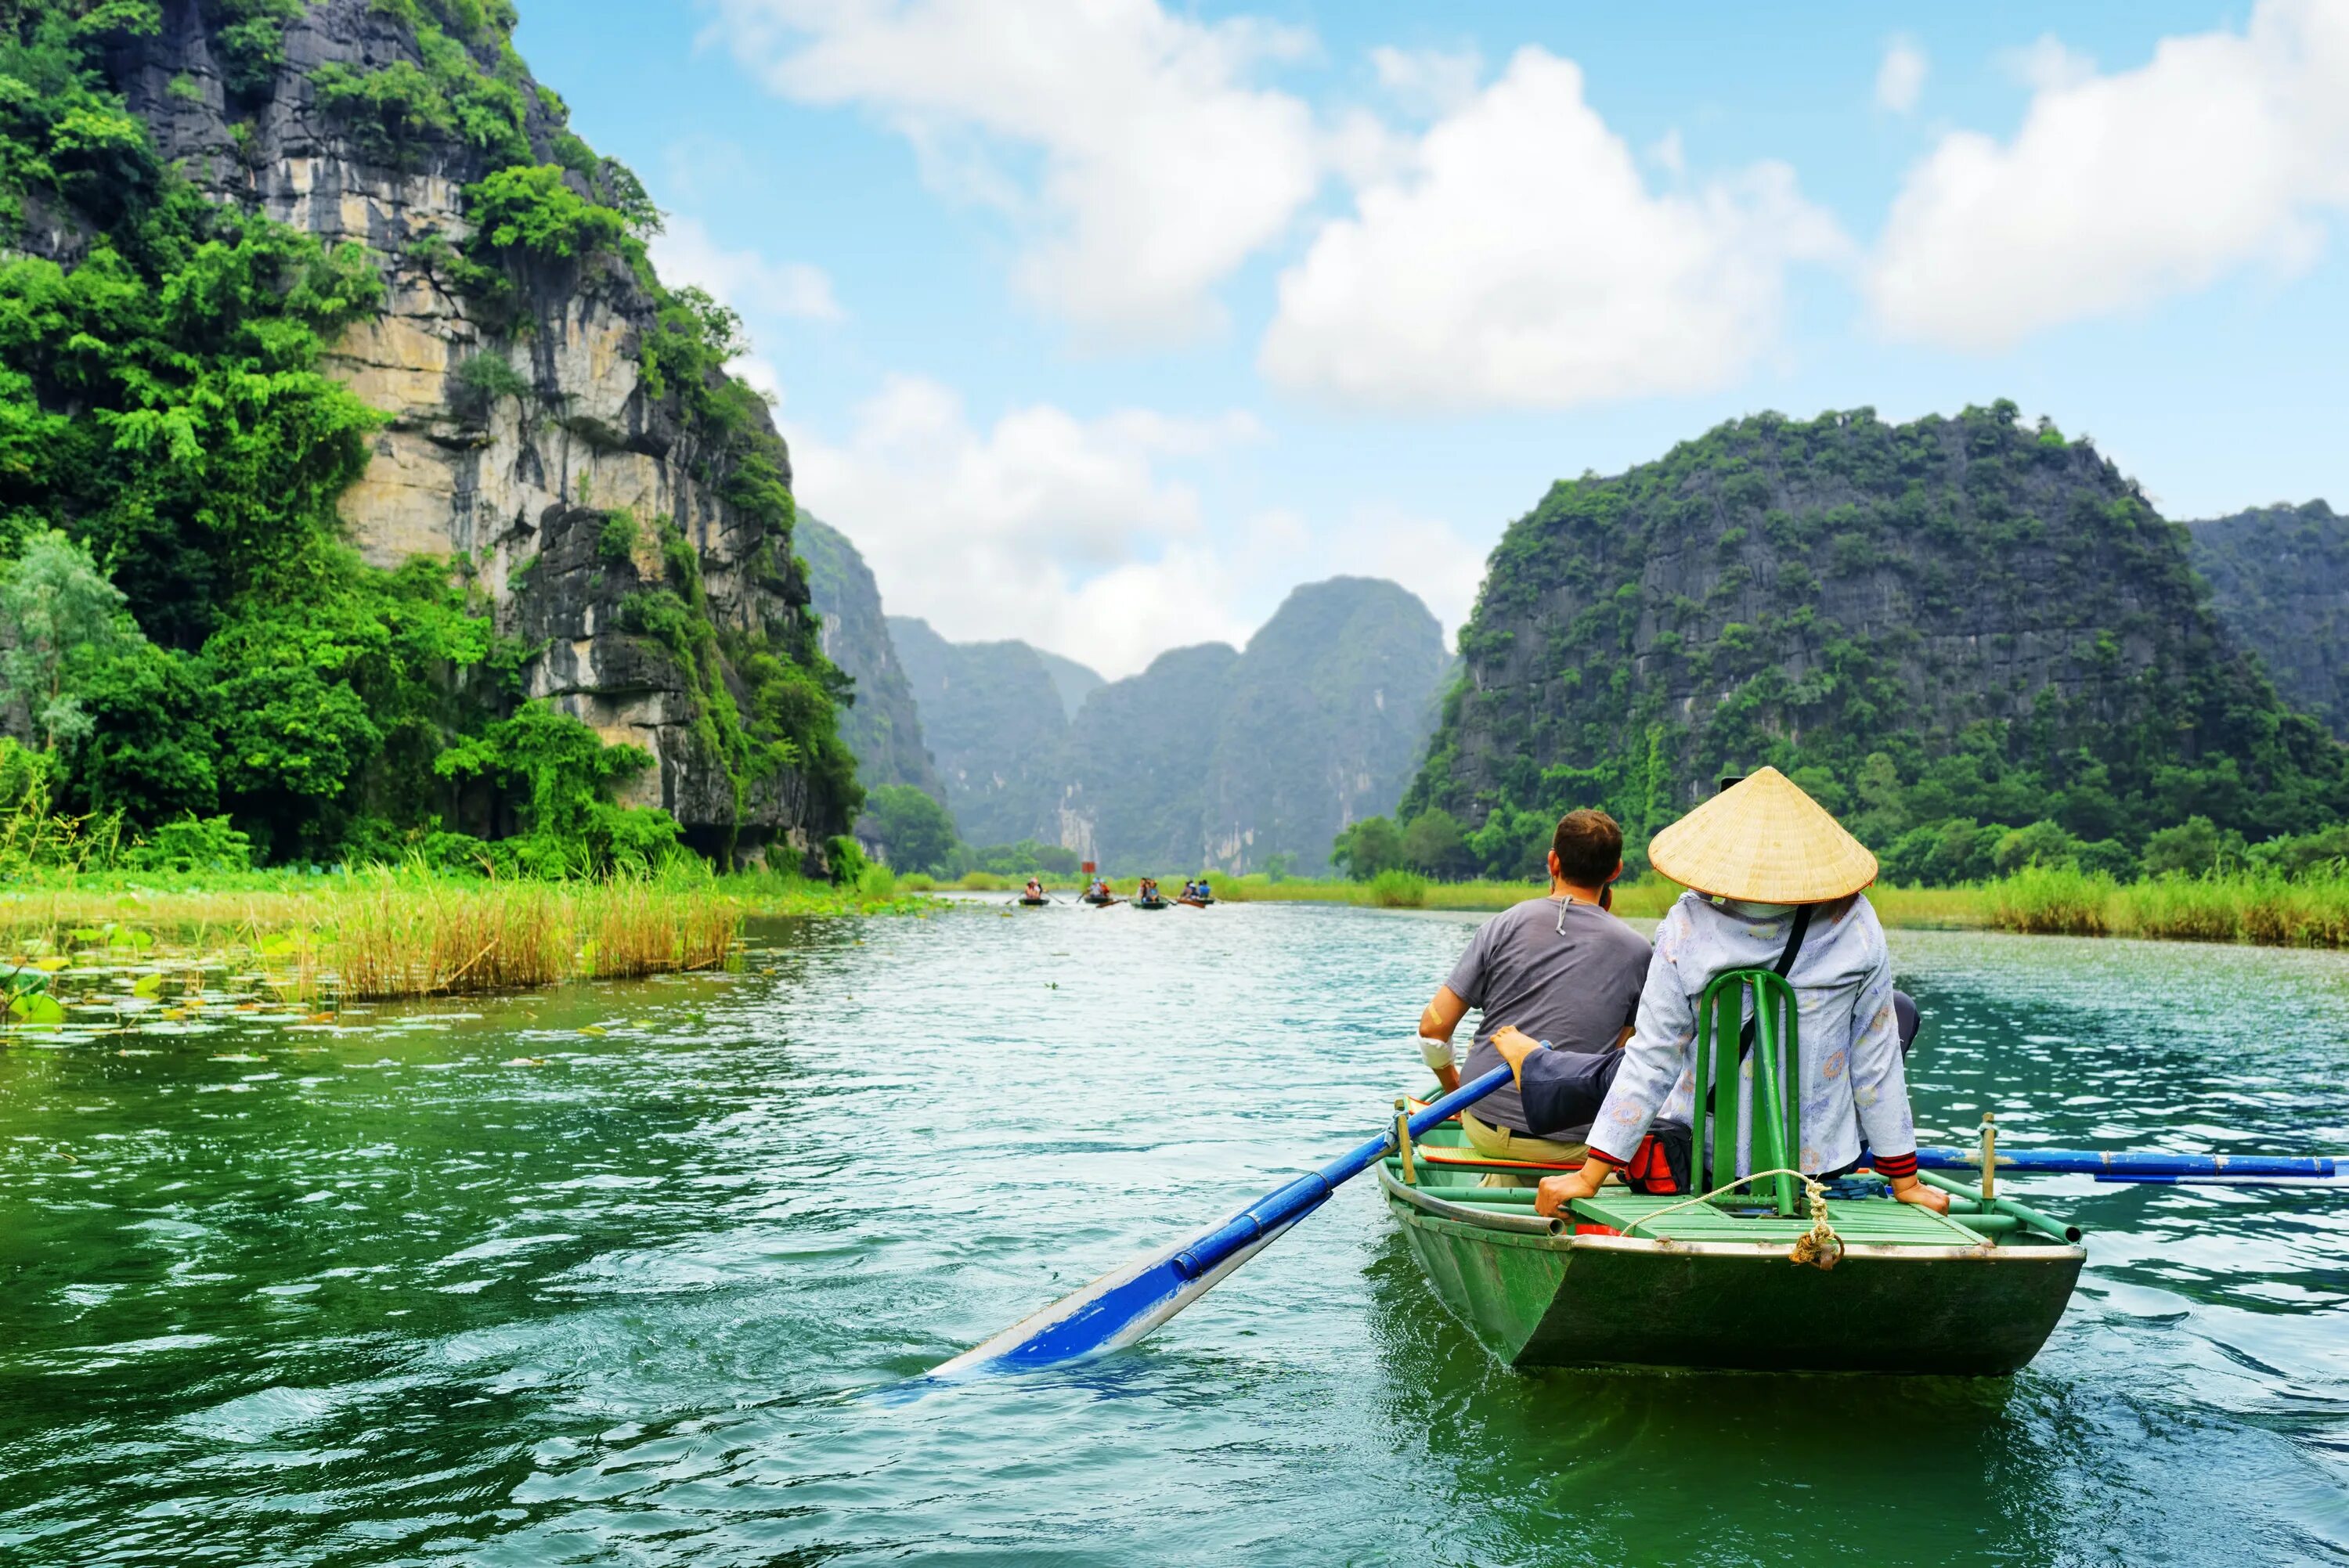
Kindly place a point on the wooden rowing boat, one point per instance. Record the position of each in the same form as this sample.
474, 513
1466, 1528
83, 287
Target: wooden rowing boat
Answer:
1194, 902
1709, 1284
1152, 903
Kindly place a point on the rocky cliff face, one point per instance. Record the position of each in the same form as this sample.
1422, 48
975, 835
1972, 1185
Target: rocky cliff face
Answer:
514, 434
883, 727
995, 723
1954, 618
2279, 578
1211, 758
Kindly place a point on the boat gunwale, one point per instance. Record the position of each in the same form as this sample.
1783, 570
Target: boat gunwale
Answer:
1435, 1212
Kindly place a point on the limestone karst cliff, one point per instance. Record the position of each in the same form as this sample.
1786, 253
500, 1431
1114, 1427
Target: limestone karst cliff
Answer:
1953, 620
551, 423
2279, 578
883, 726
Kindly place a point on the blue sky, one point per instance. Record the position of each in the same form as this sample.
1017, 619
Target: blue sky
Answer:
1104, 323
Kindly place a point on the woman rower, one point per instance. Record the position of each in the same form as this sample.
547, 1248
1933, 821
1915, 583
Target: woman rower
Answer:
1774, 882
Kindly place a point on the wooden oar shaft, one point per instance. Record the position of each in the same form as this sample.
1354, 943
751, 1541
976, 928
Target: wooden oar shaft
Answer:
1283, 1206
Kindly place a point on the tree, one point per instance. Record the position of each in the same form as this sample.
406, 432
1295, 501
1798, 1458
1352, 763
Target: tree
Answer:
915, 830
62, 623
1433, 842
1371, 846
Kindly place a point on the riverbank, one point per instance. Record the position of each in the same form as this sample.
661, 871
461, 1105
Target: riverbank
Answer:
2261, 909
308, 940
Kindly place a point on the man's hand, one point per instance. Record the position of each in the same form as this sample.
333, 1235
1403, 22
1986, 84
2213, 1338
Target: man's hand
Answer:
1515, 1045
1908, 1189
1556, 1192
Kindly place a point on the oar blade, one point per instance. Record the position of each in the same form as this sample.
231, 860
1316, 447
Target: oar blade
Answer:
1110, 1314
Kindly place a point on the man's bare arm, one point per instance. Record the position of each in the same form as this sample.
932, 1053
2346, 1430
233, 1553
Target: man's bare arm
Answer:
1437, 1023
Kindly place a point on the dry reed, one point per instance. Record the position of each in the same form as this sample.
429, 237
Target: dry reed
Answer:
388, 935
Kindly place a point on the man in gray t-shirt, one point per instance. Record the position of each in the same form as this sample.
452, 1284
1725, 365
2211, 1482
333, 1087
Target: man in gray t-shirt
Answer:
1561, 969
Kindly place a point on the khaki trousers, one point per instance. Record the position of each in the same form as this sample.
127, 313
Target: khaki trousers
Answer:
1502, 1143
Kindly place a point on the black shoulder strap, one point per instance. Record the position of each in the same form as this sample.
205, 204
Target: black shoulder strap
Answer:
1783, 967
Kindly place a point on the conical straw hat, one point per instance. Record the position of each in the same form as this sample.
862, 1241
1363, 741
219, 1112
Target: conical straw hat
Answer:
1764, 840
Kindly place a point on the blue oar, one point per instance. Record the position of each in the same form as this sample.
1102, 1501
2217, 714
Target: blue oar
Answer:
1125, 1303
2122, 1166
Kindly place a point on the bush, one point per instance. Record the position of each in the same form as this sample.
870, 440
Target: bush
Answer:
847, 860
532, 211
2193, 848
192, 844
2040, 844
1397, 890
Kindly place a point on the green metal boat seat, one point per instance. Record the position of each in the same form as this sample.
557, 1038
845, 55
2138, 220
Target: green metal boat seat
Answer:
1775, 1067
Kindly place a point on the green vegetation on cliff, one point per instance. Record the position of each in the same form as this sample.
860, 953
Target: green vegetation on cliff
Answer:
187, 635
2278, 579
1946, 631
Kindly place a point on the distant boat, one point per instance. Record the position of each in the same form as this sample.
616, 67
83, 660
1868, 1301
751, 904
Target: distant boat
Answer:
1190, 902
1035, 903
1152, 903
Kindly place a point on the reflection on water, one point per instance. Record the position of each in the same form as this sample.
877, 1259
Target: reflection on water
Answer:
487, 1288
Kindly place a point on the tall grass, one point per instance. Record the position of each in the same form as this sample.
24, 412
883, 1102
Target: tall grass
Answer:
2053, 900
382, 934
1399, 890
2261, 907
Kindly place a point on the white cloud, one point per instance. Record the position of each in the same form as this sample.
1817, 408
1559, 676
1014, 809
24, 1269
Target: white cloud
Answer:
1426, 555
757, 287
1060, 531
1131, 146
2221, 153
1429, 82
1900, 79
1523, 261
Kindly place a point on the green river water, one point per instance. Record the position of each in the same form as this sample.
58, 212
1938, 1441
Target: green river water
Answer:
381, 1291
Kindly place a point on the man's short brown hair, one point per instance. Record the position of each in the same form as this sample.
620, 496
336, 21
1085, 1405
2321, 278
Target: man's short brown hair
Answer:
1589, 846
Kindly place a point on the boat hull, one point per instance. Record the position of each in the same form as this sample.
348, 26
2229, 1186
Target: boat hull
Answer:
1544, 1300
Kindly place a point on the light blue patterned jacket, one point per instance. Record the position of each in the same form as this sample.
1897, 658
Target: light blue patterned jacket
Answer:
1854, 1083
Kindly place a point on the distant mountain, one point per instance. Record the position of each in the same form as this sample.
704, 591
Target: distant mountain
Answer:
995, 722
1210, 757
884, 729
1072, 680
1138, 760
2279, 578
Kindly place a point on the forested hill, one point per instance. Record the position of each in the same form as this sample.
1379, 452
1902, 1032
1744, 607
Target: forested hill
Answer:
401, 505
2280, 580
882, 724
1934, 625
995, 723
1213, 756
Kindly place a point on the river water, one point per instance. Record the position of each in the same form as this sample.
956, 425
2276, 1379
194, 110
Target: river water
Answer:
430, 1286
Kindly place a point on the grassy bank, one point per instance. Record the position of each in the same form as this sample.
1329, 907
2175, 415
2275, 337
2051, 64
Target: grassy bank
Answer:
2240, 906
382, 934
1951, 908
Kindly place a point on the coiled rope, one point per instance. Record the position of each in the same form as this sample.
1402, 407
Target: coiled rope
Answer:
1819, 1246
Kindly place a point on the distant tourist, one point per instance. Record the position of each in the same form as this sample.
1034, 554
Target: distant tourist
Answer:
1774, 882
1557, 969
